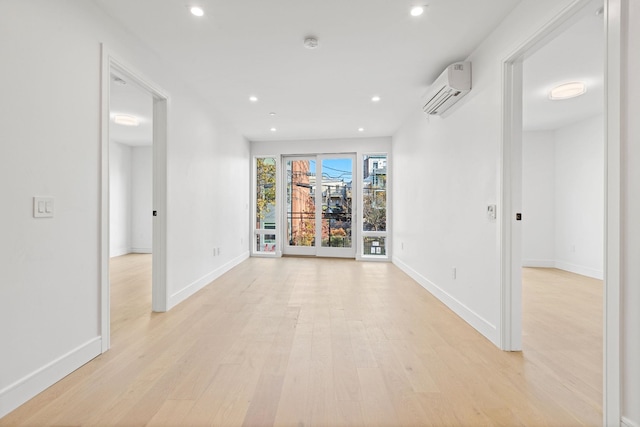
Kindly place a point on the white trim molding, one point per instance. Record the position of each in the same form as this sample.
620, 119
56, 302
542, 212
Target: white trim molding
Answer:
482, 325
626, 422
612, 384
177, 297
29, 386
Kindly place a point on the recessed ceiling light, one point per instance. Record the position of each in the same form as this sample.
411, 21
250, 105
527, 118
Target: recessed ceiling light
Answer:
253, 98
567, 90
360, 129
272, 113
375, 98
196, 11
417, 10
273, 129
126, 120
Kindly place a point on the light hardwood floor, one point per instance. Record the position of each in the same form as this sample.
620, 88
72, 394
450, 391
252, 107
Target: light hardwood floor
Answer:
324, 342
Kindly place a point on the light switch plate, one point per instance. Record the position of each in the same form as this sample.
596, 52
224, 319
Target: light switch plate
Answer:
43, 207
491, 211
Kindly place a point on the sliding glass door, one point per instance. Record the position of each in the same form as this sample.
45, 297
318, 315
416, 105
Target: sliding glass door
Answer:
300, 205
319, 205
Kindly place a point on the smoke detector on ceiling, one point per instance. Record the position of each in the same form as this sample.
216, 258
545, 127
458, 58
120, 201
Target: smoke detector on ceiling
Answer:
311, 43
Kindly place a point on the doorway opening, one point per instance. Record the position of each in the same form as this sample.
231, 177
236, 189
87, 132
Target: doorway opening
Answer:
514, 220
133, 213
319, 206
563, 210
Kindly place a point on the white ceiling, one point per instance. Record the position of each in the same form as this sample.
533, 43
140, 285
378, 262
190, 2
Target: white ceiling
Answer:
367, 47
575, 55
130, 100
255, 47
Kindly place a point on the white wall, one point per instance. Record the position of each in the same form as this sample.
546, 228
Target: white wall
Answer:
538, 199
130, 195
630, 223
141, 196
580, 197
450, 173
120, 182
321, 146
50, 133
563, 198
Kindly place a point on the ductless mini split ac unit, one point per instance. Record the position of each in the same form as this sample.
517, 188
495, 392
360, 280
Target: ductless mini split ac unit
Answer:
451, 86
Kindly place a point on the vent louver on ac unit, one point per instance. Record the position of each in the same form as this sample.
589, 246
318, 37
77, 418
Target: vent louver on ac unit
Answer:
451, 86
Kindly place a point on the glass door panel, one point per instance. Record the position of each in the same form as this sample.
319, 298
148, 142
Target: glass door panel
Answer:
337, 180
265, 201
301, 204
336, 192
374, 206
319, 205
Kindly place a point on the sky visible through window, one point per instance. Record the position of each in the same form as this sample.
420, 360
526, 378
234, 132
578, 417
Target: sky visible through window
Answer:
340, 169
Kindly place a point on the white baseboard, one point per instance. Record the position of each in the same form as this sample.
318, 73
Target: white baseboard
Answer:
141, 250
476, 321
539, 263
566, 266
29, 386
194, 287
578, 269
626, 422
119, 252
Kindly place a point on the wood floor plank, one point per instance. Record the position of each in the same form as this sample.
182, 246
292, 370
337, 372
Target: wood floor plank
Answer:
282, 342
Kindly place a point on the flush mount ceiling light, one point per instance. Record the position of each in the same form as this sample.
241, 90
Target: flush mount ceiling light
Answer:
125, 120
273, 129
375, 98
272, 113
567, 90
417, 10
311, 42
360, 129
253, 98
196, 11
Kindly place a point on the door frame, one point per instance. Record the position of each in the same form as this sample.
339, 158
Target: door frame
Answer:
318, 250
159, 182
510, 189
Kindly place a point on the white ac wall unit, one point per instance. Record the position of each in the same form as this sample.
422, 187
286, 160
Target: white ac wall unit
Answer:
451, 86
